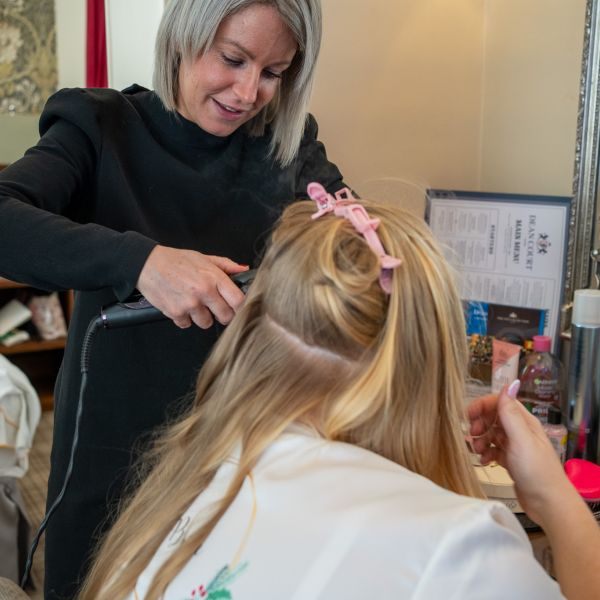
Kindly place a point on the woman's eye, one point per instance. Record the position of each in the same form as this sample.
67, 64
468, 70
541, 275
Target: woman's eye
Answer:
237, 62
271, 75
234, 62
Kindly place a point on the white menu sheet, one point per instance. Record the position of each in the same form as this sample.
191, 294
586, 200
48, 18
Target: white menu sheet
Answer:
506, 252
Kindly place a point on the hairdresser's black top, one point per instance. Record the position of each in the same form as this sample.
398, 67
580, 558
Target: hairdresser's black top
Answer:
113, 175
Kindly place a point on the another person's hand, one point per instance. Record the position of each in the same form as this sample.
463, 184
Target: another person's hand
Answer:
504, 431
190, 287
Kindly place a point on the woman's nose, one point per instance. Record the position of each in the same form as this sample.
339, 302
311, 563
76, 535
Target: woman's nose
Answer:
246, 86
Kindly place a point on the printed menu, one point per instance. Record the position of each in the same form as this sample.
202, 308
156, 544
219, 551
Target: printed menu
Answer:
507, 248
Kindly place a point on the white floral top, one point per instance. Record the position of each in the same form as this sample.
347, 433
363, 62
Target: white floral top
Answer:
332, 521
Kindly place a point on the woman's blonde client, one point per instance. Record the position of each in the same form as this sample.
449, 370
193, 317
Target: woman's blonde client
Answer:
321, 344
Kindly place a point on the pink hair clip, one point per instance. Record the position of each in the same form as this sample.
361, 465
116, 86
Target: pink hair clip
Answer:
326, 202
342, 205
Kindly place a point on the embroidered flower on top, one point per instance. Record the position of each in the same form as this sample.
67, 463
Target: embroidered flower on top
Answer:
217, 588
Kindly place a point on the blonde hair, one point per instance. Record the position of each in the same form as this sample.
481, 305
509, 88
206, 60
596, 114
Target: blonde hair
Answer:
188, 28
317, 341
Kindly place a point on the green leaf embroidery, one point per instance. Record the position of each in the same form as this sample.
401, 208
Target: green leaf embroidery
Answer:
216, 589
219, 595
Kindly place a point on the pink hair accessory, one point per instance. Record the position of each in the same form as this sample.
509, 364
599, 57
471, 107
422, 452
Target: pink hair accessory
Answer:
326, 202
342, 205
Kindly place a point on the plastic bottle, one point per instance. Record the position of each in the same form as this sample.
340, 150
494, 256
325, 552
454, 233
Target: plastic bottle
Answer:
557, 433
541, 379
584, 378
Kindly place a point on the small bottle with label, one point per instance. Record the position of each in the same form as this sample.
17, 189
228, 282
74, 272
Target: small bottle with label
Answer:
541, 379
557, 433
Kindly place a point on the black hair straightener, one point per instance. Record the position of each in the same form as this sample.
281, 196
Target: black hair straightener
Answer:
137, 310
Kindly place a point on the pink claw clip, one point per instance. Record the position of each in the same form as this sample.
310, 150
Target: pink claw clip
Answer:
323, 200
344, 205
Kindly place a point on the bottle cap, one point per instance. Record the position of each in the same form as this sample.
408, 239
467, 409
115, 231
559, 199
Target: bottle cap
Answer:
586, 307
542, 343
554, 416
585, 476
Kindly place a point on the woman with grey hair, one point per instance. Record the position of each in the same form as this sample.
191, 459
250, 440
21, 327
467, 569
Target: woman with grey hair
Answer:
167, 192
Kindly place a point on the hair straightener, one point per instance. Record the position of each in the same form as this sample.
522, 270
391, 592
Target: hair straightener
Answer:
134, 311
137, 310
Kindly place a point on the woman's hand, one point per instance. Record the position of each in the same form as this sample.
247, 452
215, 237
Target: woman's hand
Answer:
504, 431
190, 287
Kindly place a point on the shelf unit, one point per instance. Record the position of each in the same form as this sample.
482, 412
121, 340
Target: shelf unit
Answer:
38, 359
33, 346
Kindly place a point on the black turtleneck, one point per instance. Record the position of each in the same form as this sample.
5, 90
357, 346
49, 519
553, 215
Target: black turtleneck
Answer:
113, 175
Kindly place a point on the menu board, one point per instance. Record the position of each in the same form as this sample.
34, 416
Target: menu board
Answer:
509, 249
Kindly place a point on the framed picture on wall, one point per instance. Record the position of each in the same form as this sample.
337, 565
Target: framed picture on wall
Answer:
509, 249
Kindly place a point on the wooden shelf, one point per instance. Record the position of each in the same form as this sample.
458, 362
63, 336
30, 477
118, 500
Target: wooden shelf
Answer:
39, 359
34, 346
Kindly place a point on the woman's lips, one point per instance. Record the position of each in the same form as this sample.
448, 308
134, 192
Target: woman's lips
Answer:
231, 114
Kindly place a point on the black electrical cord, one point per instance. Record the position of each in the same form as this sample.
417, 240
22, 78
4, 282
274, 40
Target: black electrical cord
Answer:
118, 315
93, 327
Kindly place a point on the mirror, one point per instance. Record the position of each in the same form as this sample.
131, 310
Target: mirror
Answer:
582, 269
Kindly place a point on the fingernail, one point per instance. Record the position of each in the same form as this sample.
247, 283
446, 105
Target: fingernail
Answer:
245, 266
513, 389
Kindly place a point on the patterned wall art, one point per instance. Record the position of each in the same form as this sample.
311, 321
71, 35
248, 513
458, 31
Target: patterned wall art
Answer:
28, 71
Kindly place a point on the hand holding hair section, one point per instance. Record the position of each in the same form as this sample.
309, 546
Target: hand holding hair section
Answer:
344, 204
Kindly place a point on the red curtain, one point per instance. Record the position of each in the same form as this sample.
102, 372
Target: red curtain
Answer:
96, 74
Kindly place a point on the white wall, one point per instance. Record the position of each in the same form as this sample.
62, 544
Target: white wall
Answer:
468, 94
398, 94
131, 27
531, 95
70, 21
